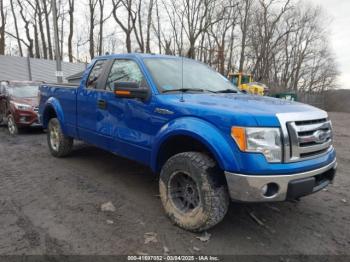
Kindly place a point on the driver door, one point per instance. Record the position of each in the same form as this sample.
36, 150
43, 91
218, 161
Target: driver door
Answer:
127, 120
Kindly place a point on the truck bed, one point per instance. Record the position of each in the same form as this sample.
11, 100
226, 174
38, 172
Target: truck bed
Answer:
64, 94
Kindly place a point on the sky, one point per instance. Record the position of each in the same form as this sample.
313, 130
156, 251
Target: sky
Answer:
338, 10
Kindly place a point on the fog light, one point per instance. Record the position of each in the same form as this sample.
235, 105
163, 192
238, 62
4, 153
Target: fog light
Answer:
22, 119
270, 190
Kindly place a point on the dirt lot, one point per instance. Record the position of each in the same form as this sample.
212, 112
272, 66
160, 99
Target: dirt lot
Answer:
52, 206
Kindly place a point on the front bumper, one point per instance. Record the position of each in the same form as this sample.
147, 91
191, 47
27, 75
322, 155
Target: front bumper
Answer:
265, 188
27, 119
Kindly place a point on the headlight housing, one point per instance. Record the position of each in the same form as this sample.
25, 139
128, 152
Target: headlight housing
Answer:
259, 140
22, 106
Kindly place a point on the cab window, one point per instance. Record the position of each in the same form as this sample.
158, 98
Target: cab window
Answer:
124, 71
3, 90
95, 74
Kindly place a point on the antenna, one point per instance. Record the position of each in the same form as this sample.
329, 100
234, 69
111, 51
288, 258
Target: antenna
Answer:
182, 79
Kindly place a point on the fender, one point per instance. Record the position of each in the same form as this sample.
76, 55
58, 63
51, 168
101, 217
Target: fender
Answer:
56, 106
201, 130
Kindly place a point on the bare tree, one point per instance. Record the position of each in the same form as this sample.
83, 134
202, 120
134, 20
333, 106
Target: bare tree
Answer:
16, 28
3, 15
41, 28
265, 36
219, 31
61, 18
149, 25
129, 25
36, 34
138, 30
177, 24
245, 11
102, 21
30, 44
92, 9
100, 45
143, 12
47, 11
71, 4
157, 27
198, 17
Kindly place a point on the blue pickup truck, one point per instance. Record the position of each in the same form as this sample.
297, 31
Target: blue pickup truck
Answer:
208, 142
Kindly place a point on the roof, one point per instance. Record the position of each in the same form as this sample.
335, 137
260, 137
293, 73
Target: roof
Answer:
139, 55
16, 68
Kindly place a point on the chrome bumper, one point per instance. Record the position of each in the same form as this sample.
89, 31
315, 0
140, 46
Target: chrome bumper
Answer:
253, 188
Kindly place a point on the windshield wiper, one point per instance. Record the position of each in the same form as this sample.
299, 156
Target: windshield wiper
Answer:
227, 91
183, 90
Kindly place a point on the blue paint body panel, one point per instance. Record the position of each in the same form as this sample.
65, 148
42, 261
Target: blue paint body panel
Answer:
136, 130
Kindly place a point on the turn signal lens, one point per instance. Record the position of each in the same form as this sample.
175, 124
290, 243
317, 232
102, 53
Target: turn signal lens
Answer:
238, 134
122, 93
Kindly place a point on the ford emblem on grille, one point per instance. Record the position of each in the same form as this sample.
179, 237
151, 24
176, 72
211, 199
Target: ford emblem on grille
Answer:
320, 136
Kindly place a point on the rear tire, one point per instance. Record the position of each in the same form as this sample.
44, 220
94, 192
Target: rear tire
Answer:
59, 144
11, 125
193, 191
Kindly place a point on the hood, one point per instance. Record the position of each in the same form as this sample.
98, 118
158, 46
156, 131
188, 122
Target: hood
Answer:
242, 109
32, 101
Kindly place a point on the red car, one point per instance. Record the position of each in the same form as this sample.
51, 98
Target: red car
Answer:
19, 105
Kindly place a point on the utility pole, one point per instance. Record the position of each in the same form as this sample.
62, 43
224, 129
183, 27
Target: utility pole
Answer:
59, 72
29, 67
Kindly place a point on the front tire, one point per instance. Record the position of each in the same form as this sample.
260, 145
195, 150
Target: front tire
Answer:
193, 191
11, 125
59, 144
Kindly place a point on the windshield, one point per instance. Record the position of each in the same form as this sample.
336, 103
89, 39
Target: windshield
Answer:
167, 74
24, 91
245, 79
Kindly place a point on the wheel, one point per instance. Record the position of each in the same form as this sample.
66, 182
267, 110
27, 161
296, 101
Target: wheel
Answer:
193, 191
11, 125
59, 144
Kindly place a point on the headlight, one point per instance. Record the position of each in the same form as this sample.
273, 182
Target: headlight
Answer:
260, 140
22, 106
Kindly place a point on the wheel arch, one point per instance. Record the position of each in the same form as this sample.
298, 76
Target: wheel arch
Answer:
191, 134
52, 109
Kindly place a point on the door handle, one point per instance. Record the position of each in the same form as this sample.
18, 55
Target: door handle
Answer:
101, 104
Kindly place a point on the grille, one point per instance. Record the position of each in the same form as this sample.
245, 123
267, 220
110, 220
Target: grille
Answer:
309, 138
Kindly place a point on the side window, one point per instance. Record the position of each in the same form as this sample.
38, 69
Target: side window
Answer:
95, 73
3, 89
124, 71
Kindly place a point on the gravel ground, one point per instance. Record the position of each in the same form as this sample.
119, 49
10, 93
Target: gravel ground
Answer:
53, 206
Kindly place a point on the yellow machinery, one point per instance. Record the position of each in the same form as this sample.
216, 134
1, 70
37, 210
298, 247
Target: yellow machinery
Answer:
245, 83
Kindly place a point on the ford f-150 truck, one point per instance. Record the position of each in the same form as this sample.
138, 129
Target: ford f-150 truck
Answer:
208, 142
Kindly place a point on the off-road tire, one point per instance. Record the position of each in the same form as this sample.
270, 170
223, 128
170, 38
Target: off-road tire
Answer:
212, 191
11, 125
62, 145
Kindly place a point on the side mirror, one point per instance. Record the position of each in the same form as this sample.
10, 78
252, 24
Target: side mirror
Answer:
130, 90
